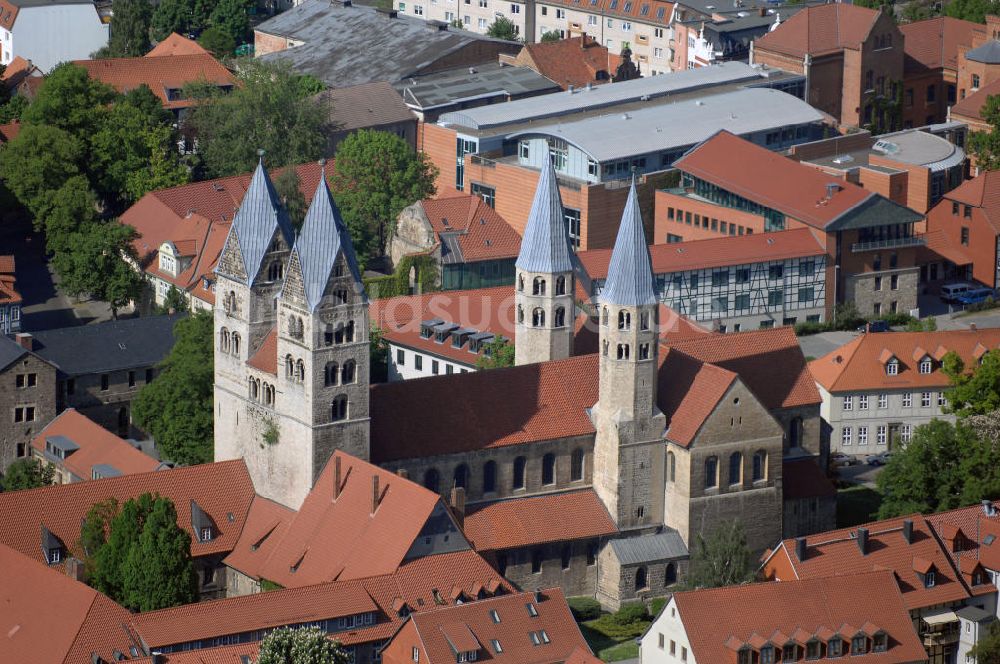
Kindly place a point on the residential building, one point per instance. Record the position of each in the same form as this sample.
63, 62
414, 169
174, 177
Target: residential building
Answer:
529, 628
79, 449
979, 65
970, 109
734, 283
27, 398
182, 231
852, 57
968, 218
18, 71
47, 33
10, 299
871, 242
859, 614
102, 367
471, 243
913, 167
931, 67
334, 41
571, 62
878, 388
430, 95
375, 106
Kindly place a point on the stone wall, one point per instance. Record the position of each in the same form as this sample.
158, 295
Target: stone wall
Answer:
111, 407
869, 289
412, 234
15, 437
806, 516
578, 578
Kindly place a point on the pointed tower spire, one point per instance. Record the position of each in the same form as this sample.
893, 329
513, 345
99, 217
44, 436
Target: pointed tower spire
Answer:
323, 239
545, 246
630, 274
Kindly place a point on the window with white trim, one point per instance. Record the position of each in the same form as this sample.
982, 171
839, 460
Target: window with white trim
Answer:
905, 433
848, 402
925, 399
926, 365
883, 401
845, 436
862, 435
881, 434
907, 400
863, 402
941, 399
892, 368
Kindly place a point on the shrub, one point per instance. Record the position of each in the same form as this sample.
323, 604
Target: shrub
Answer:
584, 608
630, 614
656, 606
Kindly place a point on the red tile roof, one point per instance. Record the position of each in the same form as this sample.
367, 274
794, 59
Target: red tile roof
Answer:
582, 656
716, 252
521, 522
7, 264
719, 621
820, 30
837, 552
972, 106
574, 61
314, 543
47, 617
265, 525
763, 176
9, 131
859, 365
97, 446
221, 489
266, 357
160, 74
8, 14
803, 478
473, 626
8, 282
936, 42
652, 12
982, 192
481, 232
688, 392
978, 536
175, 44
220, 655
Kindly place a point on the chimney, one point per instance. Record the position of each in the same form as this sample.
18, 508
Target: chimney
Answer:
763, 11
404, 473
388, 13
908, 530
800, 549
863, 541
972, 326
831, 189
75, 569
336, 478
158, 658
458, 504
569, 88
25, 340
376, 496
539, 597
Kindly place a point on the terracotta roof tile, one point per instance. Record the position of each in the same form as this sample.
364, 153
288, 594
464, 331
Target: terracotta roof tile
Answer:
858, 365
688, 392
160, 74
266, 357
814, 607
574, 61
97, 446
220, 489
981, 543
582, 656
220, 655
803, 478
821, 29
175, 44
521, 522
482, 233
9, 131
8, 14
972, 106
7, 264
936, 42
983, 192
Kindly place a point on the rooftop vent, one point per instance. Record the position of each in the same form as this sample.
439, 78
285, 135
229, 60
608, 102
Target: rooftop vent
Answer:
885, 147
831, 189
570, 88
388, 13
843, 159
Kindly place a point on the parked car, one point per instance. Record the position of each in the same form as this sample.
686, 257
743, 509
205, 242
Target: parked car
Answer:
840, 459
875, 326
879, 459
949, 292
975, 296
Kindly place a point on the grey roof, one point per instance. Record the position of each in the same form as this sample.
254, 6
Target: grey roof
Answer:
260, 216
62, 443
10, 351
323, 239
988, 53
545, 245
366, 105
630, 273
345, 46
974, 614
50, 541
102, 470
451, 248
910, 146
110, 346
668, 126
455, 86
876, 210
667, 545
599, 96
199, 519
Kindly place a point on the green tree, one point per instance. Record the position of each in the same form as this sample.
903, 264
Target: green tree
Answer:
232, 17
174, 302
378, 356
305, 645
551, 36
13, 109
158, 571
266, 111
170, 16
375, 176
217, 41
176, 408
722, 559
27, 474
107, 563
985, 145
971, 10
289, 189
72, 101
94, 532
497, 354
39, 161
129, 28
987, 650
504, 28
976, 392
67, 210
97, 264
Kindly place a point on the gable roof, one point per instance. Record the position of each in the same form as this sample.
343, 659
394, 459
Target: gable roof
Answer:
687, 393
10, 351
630, 272
175, 44
96, 447
860, 363
573, 61
545, 245
820, 30
973, 105
521, 522
365, 105
983, 191
976, 531
160, 74
266, 356
470, 230
47, 617
935, 42
987, 53
720, 621
223, 490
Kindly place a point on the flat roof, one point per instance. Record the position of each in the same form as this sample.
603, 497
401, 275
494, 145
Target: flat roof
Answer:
454, 86
599, 96
675, 125
912, 146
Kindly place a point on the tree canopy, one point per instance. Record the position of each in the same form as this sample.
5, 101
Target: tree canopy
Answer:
976, 392
267, 111
375, 176
97, 263
129, 28
176, 408
217, 41
27, 474
232, 18
551, 36
985, 145
971, 10
504, 28
497, 354
987, 650
305, 645
721, 559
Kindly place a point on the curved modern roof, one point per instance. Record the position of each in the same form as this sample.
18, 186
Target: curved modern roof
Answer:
920, 148
988, 53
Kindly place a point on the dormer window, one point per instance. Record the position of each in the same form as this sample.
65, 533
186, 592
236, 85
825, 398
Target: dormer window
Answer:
168, 263
892, 368
469, 656
767, 655
744, 656
858, 644
880, 642
55, 556
812, 650
206, 534
835, 648
926, 365
930, 579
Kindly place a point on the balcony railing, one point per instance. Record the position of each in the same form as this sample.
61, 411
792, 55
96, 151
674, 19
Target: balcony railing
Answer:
913, 241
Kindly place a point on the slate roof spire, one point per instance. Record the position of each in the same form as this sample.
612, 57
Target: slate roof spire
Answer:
545, 246
259, 217
630, 274
323, 239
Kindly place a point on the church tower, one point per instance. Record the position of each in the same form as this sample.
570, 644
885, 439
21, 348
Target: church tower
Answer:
545, 307
628, 450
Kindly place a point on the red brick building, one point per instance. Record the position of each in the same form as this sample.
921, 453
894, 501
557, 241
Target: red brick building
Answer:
931, 67
968, 220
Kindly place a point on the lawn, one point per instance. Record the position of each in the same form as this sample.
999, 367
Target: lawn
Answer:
857, 504
611, 640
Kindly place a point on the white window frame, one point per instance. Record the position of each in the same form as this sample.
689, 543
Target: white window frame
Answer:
862, 402
892, 368
883, 401
925, 399
881, 434
905, 433
926, 366
907, 400
846, 435
941, 400
863, 435
847, 402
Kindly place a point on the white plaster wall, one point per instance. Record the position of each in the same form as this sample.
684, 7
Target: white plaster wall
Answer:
58, 33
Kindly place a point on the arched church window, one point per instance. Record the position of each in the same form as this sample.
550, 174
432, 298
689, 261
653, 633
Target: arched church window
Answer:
347, 372
559, 320
300, 371
670, 575
538, 317
538, 286
236, 343
644, 320
432, 480
604, 349
520, 282
349, 332
338, 409
330, 373
520, 314
229, 302
549, 468
671, 467
328, 334
274, 271
560, 285
624, 351
224, 340
735, 468
338, 335
641, 582
519, 465
489, 476
604, 316
576, 465
624, 320
461, 477
289, 367
252, 385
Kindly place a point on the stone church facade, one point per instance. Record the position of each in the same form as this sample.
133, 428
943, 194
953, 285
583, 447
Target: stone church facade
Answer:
666, 444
